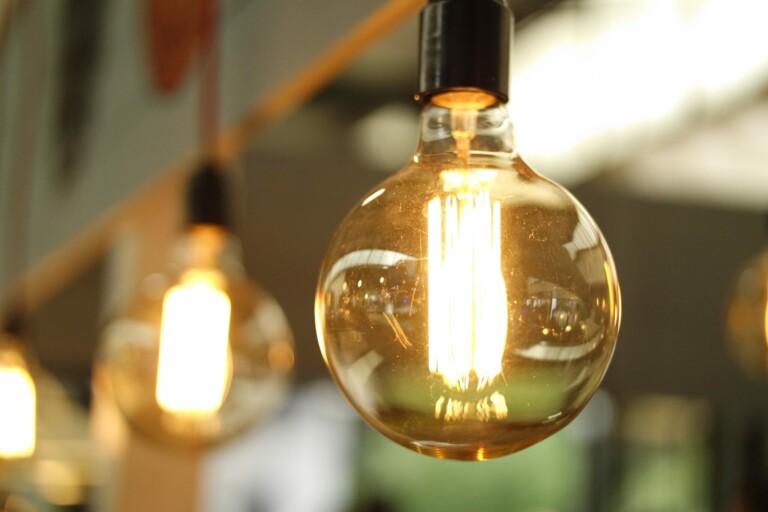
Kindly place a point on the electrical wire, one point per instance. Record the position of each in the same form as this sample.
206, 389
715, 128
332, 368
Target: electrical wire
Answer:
209, 73
21, 173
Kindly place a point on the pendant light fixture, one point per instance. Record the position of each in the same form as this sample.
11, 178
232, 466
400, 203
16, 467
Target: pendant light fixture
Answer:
467, 307
204, 352
18, 391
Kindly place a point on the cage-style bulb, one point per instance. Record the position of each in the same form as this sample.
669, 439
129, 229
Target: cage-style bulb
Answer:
747, 317
18, 403
204, 353
467, 306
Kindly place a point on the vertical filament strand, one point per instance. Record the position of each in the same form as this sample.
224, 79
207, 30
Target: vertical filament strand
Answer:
18, 403
467, 296
193, 370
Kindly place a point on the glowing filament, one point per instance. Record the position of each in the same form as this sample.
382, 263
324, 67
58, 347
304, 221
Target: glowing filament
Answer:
17, 412
193, 370
467, 296
486, 409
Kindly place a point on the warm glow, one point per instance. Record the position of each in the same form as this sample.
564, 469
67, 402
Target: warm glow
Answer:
467, 296
766, 331
17, 412
193, 370
465, 99
611, 293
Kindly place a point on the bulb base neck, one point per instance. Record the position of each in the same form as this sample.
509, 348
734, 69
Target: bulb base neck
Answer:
207, 246
464, 44
451, 127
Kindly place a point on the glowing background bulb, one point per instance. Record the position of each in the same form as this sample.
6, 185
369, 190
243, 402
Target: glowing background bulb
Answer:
193, 368
203, 353
18, 399
467, 307
747, 317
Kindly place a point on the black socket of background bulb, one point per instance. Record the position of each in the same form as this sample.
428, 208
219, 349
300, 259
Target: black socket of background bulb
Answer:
207, 197
464, 44
14, 321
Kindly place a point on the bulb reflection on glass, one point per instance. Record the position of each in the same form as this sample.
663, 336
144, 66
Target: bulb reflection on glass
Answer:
18, 402
204, 353
467, 307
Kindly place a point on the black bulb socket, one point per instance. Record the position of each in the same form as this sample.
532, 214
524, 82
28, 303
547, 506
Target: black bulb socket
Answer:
207, 197
464, 45
14, 321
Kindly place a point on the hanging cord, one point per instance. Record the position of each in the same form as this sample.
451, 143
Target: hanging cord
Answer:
206, 192
12, 8
209, 74
21, 175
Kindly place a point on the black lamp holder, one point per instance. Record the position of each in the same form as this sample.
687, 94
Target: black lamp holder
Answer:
14, 321
464, 44
207, 197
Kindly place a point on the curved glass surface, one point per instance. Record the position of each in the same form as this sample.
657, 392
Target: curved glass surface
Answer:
467, 306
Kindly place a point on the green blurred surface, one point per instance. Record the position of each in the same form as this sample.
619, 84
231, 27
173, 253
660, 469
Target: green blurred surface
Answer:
551, 476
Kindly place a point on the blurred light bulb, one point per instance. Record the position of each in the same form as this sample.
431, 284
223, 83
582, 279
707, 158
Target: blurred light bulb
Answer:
747, 317
204, 352
467, 307
18, 402
193, 371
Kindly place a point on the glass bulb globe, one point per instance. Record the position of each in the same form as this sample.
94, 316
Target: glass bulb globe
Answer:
747, 317
204, 353
18, 402
467, 307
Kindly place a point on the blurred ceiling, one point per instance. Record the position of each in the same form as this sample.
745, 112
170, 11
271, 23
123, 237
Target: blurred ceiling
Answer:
602, 86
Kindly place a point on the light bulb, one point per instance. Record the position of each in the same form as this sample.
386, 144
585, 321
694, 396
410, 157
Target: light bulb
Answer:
467, 307
204, 353
18, 402
747, 317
